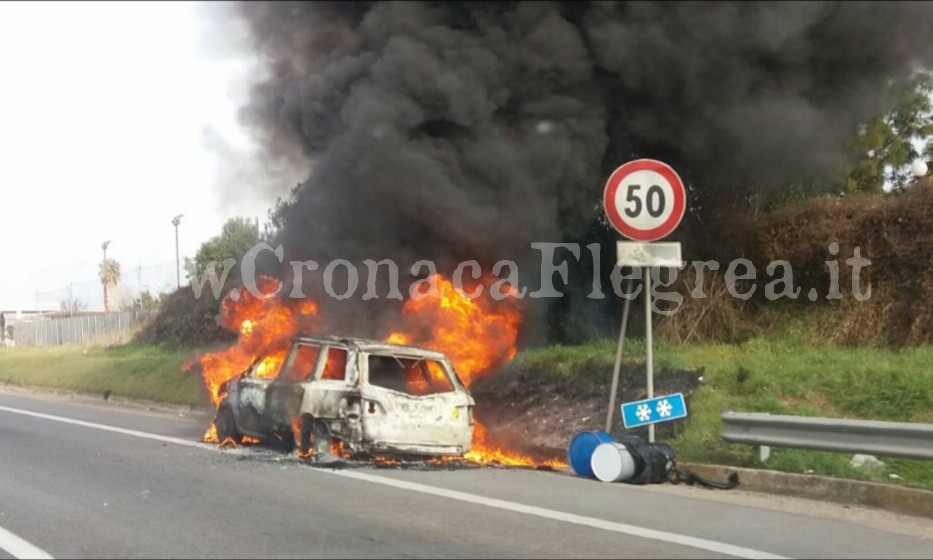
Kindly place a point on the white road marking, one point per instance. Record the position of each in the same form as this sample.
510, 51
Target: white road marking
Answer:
104, 427
652, 534
703, 544
18, 548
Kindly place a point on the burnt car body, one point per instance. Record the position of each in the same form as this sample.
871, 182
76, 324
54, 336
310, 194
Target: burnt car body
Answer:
374, 397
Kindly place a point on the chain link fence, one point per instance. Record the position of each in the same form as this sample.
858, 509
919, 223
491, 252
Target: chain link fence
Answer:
98, 328
80, 315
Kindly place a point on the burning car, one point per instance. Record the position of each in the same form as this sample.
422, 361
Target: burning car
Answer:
368, 397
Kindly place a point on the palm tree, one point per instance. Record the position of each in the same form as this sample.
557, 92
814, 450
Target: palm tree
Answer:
109, 276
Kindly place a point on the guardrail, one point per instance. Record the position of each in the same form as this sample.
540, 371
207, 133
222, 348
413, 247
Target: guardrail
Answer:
890, 439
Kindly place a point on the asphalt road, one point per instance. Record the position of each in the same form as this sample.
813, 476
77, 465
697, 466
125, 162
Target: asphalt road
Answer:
96, 481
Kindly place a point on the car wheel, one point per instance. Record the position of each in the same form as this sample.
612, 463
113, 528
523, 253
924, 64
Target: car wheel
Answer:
226, 426
315, 438
285, 441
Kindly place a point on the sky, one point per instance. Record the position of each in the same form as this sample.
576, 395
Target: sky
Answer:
110, 118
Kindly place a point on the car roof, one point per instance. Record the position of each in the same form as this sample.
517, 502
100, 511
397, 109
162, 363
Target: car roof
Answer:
368, 345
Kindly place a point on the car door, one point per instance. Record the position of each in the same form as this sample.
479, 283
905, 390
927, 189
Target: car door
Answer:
251, 403
333, 381
410, 400
264, 401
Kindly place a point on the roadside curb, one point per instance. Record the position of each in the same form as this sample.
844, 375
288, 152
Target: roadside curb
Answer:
889, 497
899, 499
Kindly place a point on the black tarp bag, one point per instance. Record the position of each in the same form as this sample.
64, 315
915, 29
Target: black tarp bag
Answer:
656, 463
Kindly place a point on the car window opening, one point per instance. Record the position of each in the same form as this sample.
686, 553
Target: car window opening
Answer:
411, 376
336, 366
302, 364
267, 367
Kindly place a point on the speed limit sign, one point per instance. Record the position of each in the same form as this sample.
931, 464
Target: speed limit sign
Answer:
645, 200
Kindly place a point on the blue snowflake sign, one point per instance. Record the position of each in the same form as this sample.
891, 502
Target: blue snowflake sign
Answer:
653, 411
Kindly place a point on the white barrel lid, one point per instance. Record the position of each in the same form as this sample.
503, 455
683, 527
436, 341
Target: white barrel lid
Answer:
611, 462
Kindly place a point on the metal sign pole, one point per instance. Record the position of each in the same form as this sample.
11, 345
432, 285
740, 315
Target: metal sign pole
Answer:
617, 368
649, 362
644, 216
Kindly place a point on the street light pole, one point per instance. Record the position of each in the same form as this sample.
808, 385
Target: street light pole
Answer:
176, 221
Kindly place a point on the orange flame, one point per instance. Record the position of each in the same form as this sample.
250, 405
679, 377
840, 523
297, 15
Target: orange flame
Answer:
485, 452
476, 335
265, 327
210, 436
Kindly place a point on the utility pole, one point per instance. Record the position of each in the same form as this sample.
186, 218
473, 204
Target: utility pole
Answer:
176, 221
103, 275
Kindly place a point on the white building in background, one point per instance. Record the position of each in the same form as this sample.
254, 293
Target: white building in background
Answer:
14, 312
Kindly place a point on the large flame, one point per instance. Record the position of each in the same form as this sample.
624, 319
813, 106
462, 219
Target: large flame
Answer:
478, 336
266, 327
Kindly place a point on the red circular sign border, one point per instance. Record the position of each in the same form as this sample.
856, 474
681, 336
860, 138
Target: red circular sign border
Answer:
677, 214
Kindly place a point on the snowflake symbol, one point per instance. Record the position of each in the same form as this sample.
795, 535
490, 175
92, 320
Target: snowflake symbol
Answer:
664, 408
643, 412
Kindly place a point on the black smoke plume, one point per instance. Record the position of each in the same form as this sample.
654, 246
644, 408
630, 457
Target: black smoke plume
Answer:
468, 130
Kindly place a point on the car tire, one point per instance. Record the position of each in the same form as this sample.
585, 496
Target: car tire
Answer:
226, 425
315, 439
284, 441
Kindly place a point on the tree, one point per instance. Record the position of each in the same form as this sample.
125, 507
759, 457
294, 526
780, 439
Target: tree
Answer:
144, 302
109, 275
72, 305
887, 144
238, 236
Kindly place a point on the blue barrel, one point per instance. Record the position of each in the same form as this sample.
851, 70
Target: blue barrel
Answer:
581, 451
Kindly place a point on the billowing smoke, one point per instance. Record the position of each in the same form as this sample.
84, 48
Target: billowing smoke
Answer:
434, 131
468, 130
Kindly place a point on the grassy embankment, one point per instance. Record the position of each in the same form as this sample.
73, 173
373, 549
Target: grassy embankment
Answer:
132, 371
780, 377
785, 376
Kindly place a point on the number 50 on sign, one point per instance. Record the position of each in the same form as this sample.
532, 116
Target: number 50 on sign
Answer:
645, 200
